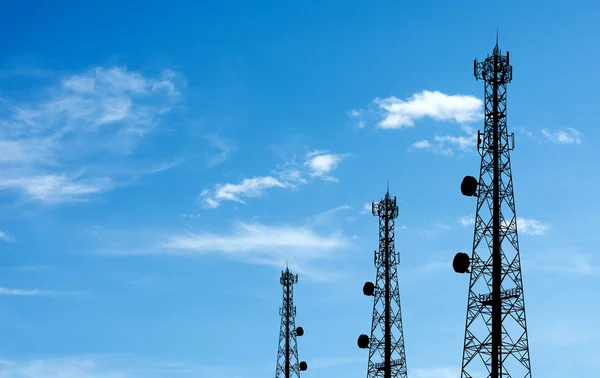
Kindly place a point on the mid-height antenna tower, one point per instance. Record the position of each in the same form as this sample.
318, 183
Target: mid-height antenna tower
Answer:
496, 342
387, 357
287, 353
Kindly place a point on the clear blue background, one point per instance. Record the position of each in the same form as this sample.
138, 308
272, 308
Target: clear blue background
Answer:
271, 80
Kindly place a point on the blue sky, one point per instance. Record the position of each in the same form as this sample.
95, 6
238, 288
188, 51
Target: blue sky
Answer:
159, 164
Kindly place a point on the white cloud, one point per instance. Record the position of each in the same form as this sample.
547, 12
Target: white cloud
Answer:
53, 188
466, 221
525, 226
422, 144
359, 115
49, 139
439, 145
290, 175
398, 113
7, 236
567, 136
250, 188
367, 208
300, 246
321, 163
22, 292
532, 227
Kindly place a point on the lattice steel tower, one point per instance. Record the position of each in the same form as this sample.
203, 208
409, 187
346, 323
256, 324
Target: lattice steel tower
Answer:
387, 357
287, 353
496, 331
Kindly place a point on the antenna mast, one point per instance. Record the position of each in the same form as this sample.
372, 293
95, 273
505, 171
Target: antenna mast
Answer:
287, 353
496, 329
387, 357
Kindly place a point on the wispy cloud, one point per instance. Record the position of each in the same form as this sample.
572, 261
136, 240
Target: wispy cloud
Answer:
394, 113
248, 188
224, 149
564, 334
327, 216
291, 174
7, 237
466, 221
367, 208
302, 246
107, 366
525, 226
532, 227
567, 136
434, 230
443, 145
30, 292
102, 112
572, 262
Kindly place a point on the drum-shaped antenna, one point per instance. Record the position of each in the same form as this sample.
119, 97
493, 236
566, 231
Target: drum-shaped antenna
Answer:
468, 187
363, 341
303, 366
299, 331
369, 289
461, 263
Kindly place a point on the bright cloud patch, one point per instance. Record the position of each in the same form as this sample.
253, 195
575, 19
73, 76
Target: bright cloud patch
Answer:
251, 187
396, 113
7, 236
568, 136
101, 111
321, 163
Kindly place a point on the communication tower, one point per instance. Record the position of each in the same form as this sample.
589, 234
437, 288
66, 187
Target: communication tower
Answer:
386, 345
287, 353
496, 342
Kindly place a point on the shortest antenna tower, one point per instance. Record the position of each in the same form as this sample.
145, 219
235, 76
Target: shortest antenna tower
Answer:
287, 353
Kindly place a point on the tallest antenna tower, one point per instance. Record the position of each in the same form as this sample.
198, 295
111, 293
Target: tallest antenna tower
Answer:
496, 331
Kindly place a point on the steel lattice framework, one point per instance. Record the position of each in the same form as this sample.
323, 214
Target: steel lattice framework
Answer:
288, 365
387, 358
496, 331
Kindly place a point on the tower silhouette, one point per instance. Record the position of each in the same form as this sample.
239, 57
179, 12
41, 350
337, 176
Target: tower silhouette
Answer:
496, 329
387, 357
287, 353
